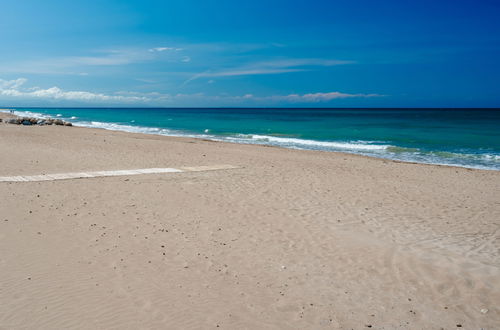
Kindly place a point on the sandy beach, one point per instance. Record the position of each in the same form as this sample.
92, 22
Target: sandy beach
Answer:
289, 239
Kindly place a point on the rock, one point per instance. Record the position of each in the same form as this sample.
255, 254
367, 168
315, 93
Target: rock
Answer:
1, 120
37, 121
484, 310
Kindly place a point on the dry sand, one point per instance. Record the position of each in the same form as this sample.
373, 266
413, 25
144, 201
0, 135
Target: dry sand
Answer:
289, 240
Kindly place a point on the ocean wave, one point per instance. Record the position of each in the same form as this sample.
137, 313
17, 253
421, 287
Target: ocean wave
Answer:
307, 144
242, 138
26, 114
444, 154
380, 149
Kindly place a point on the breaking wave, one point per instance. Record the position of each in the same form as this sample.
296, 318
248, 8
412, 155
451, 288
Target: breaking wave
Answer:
380, 149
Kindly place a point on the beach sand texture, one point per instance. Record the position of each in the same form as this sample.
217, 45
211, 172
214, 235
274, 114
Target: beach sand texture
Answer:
288, 240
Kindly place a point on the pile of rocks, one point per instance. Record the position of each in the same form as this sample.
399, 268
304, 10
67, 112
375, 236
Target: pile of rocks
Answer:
27, 121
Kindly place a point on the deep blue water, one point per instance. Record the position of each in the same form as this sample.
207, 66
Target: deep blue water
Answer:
461, 137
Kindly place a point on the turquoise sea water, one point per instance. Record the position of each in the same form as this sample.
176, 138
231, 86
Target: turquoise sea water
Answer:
461, 137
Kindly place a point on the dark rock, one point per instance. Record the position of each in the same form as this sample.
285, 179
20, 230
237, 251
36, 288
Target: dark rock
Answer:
37, 121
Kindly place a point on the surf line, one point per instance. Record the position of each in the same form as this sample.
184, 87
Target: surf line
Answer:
83, 175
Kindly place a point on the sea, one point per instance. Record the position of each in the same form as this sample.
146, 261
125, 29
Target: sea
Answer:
458, 137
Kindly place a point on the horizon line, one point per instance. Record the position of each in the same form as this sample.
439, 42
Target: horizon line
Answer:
263, 108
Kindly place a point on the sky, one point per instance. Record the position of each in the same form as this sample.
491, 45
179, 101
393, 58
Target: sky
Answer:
227, 53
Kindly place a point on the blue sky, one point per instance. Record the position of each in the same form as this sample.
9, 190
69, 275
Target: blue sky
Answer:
250, 53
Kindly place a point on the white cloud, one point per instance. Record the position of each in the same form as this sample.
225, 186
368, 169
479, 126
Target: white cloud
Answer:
14, 89
11, 84
278, 66
160, 49
163, 49
186, 59
319, 97
299, 98
57, 93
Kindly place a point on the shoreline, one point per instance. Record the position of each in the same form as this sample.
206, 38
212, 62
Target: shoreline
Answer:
77, 125
290, 239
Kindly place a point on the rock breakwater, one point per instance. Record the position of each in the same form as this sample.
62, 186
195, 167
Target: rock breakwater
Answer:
30, 121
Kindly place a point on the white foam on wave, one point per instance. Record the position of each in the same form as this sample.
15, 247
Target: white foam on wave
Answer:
121, 127
368, 148
491, 157
241, 138
351, 145
138, 129
26, 114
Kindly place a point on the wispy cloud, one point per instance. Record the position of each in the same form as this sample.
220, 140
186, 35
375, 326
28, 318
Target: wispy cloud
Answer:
74, 65
247, 72
163, 49
276, 66
160, 49
299, 62
77, 65
107, 57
